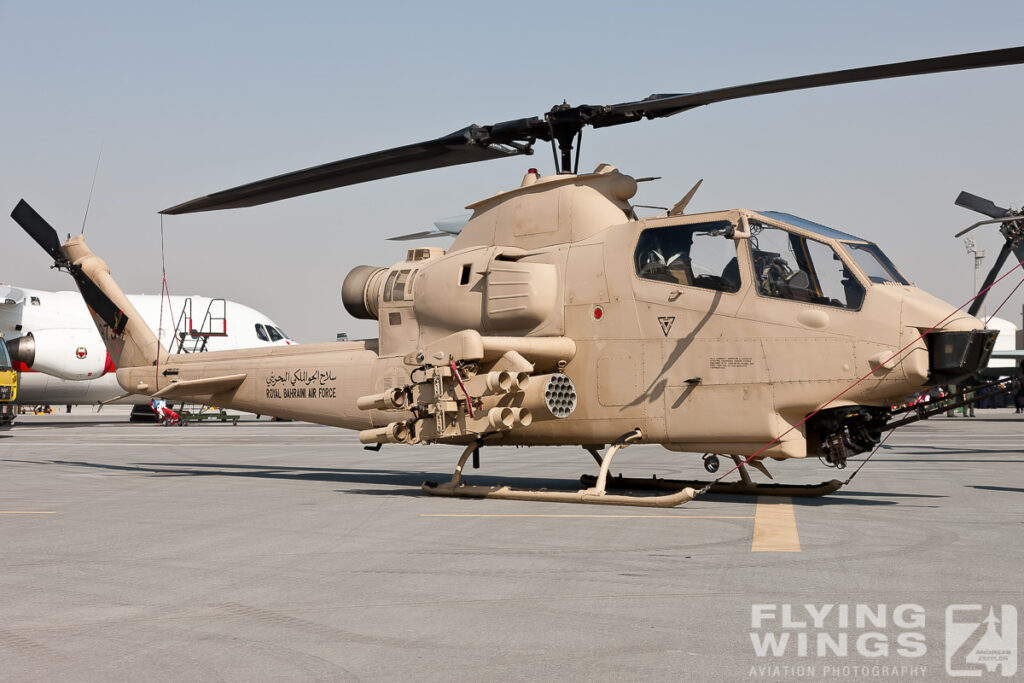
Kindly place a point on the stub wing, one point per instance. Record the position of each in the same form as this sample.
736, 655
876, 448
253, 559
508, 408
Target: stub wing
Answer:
195, 387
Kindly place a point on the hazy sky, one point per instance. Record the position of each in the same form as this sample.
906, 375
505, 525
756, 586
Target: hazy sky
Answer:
190, 98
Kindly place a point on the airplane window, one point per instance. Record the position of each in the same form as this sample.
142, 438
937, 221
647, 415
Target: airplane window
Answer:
695, 255
874, 263
274, 334
283, 333
788, 266
261, 333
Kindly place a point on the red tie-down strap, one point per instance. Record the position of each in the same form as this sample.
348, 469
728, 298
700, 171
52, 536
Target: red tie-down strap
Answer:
469, 401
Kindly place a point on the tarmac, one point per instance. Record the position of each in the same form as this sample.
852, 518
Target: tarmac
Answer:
285, 551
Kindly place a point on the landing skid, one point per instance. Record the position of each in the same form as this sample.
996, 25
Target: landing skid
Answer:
744, 486
595, 494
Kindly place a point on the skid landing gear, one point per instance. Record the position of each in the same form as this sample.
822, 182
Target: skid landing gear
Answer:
744, 486
594, 493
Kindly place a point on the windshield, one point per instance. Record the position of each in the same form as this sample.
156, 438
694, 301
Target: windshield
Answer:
874, 263
5, 359
867, 255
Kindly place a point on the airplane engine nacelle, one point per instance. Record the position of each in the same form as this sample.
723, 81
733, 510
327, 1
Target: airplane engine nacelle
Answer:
68, 354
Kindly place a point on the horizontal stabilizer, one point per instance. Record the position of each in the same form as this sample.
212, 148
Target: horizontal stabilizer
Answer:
115, 399
195, 387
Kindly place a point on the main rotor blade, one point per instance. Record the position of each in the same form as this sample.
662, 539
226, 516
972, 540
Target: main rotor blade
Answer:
666, 105
462, 147
562, 123
37, 228
983, 206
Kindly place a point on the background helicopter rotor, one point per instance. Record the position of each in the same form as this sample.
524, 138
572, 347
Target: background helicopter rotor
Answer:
983, 206
562, 126
1011, 229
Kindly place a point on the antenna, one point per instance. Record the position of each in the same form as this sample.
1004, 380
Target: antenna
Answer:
95, 173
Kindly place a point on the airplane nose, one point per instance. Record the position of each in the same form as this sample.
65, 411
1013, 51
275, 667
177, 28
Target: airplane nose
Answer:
953, 355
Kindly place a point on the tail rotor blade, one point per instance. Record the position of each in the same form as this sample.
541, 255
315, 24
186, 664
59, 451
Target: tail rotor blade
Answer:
983, 206
38, 229
44, 234
100, 303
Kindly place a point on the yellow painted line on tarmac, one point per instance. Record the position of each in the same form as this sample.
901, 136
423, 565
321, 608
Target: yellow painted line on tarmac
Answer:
775, 526
570, 516
28, 512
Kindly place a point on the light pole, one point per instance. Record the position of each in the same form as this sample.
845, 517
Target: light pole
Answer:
979, 256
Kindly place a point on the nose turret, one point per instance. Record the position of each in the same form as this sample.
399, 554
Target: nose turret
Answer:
953, 355
959, 344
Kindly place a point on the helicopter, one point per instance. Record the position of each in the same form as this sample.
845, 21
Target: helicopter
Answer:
558, 317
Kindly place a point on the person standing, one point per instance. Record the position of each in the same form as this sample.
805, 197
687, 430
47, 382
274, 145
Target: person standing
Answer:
967, 410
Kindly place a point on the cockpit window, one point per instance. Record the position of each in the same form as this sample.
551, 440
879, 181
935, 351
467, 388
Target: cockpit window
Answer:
261, 333
874, 263
274, 334
695, 255
789, 266
283, 333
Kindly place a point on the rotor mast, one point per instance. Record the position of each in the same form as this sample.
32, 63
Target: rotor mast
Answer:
566, 125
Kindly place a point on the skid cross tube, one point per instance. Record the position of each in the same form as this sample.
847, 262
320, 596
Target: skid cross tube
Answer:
595, 494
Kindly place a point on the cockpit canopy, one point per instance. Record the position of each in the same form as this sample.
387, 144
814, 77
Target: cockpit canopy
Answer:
811, 263
875, 264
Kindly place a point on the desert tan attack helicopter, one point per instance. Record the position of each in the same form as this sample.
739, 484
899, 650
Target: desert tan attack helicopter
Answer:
558, 317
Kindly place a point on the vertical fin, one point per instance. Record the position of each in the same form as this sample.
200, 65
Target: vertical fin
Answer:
129, 340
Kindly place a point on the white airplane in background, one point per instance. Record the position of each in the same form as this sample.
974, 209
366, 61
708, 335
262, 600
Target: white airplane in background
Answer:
62, 360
